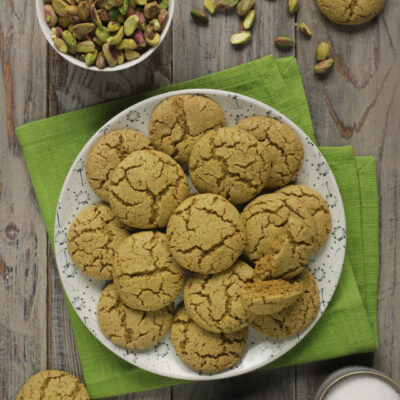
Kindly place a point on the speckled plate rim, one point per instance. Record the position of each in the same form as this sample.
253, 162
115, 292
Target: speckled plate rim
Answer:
286, 344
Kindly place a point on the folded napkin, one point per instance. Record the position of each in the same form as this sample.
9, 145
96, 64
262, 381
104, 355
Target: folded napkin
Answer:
348, 325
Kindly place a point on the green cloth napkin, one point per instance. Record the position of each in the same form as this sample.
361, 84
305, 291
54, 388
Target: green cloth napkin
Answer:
349, 324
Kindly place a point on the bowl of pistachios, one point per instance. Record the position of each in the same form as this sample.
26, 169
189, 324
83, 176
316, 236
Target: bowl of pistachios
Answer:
105, 35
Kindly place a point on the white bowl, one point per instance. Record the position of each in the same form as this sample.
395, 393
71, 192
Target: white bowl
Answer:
46, 32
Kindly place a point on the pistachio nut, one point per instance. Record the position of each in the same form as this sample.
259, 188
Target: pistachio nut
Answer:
155, 23
323, 51
71, 11
103, 15
83, 10
124, 8
93, 13
141, 16
101, 61
120, 57
240, 38
64, 22
90, 58
293, 6
87, 46
97, 42
56, 32
126, 44
115, 39
50, 15
151, 10
304, 29
244, 6
149, 32
110, 54
131, 24
59, 7
74, 19
249, 19
323, 66
283, 42
152, 42
209, 5
163, 19
83, 29
164, 4
131, 55
132, 3
199, 17
113, 14
141, 2
138, 37
102, 33
70, 40
61, 45
113, 26
226, 5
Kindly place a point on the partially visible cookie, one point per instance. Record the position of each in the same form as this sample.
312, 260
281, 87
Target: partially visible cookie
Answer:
107, 153
205, 351
53, 385
93, 238
213, 302
294, 318
146, 187
145, 273
229, 162
131, 328
351, 12
179, 121
269, 297
206, 234
284, 148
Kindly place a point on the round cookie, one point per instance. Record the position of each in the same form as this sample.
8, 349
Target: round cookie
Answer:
93, 238
318, 209
53, 385
351, 12
145, 273
229, 162
275, 217
213, 302
179, 121
107, 153
296, 317
131, 328
206, 234
205, 351
285, 151
146, 187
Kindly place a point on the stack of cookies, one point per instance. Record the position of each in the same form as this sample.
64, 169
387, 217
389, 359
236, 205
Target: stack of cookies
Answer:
239, 248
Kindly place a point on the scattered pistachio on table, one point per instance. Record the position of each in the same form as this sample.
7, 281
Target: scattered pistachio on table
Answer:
249, 19
244, 6
240, 38
324, 66
199, 16
293, 6
226, 5
210, 6
304, 29
283, 42
322, 52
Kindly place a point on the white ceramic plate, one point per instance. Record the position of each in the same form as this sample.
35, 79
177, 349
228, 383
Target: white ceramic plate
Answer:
161, 359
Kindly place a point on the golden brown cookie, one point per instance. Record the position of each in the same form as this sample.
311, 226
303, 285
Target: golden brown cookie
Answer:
131, 328
179, 121
285, 151
294, 318
318, 209
213, 301
107, 153
275, 217
206, 234
205, 351
145, 273
351, 12
269, 297
229, 162
146, 187
53, 385
93, 238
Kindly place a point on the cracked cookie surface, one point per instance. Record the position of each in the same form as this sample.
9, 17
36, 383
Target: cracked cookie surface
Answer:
285, 151
53, 385
130, 328
351, 12
229, 162
145, 273
318, 209
107, 153
273, 218
93, 238
213, 301
179, 121
206, 234
294, 318
269, 297
205, 351
146, 187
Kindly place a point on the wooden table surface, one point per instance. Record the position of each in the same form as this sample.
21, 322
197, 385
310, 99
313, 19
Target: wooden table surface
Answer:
357, 104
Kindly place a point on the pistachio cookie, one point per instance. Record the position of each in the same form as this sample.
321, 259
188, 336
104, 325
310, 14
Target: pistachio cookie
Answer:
205, 351
269, 297
131, 328
107, 153
145, 273
284, 148
213, 301
93, 238
351, 12
206, 234
318, 209
179, 121
275, 217
53, 385
229, 162
146, 187
294, 318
